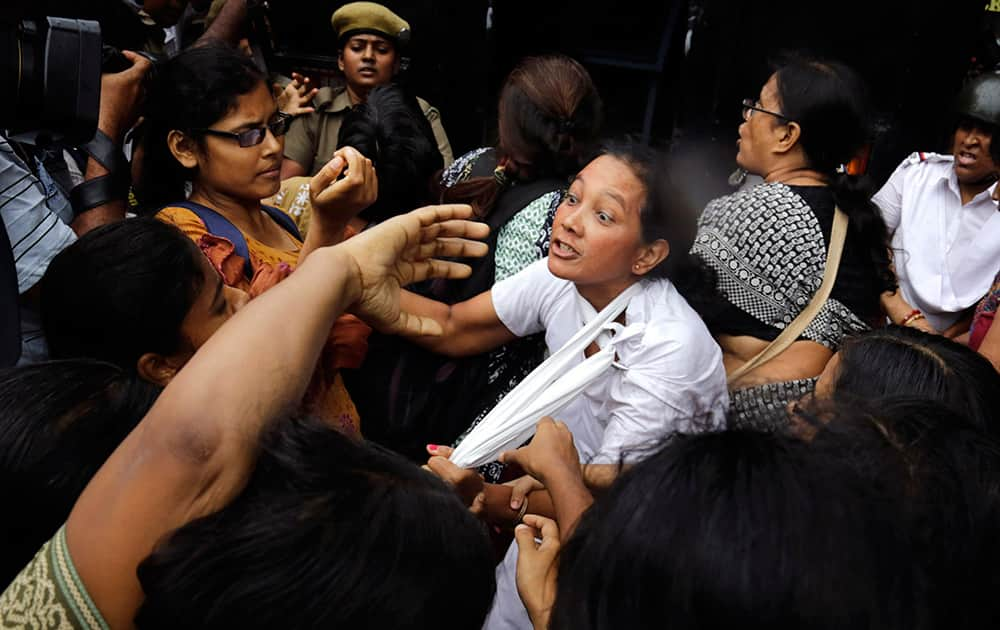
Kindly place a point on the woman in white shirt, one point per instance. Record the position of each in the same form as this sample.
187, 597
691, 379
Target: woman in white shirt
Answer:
619, 228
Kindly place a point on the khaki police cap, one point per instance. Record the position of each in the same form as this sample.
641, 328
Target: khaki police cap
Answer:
369, 17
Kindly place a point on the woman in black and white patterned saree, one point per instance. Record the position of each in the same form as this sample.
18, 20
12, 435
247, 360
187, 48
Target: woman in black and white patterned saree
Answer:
768, 244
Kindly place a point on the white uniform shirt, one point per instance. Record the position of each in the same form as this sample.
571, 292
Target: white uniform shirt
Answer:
673, 379
945, 254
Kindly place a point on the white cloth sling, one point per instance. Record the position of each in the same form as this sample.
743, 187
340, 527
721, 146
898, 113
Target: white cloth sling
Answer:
551, 386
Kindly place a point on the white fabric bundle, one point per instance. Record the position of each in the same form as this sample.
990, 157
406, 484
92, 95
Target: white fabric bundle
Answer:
550, 387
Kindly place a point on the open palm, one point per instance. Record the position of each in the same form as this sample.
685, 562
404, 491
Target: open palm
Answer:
407, 249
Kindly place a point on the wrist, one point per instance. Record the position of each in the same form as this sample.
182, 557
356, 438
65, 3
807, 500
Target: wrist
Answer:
326, 264
329, 231
112, 128
562, 477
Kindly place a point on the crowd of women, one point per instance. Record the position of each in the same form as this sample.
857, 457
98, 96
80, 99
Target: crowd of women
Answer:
250, 420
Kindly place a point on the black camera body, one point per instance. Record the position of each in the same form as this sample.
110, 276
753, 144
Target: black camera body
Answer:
50, 74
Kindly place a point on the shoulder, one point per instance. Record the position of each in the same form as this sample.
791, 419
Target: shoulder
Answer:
460, 168
753, 205
664, 309
924, 164
535, 279
674, 334
332, 100
183, 218
926, 159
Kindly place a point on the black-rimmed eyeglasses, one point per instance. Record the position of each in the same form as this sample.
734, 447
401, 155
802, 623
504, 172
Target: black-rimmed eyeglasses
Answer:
253, 137
750, 106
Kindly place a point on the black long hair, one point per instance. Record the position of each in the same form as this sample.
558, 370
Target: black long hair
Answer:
59, 422
391, 131
191, 91
947, 473
829, 102
327, 533
901, 361
121, 291
738, 529
666, 214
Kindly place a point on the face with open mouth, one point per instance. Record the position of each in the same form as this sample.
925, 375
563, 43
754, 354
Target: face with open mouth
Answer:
367, 61
971, 148
597, 231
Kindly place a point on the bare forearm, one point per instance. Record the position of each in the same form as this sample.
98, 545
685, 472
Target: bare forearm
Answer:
438, 311
194, 450
570, 499
471, 327
228, 25
895, 307
282, 357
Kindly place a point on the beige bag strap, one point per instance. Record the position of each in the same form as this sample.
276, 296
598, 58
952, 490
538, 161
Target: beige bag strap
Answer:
838, 235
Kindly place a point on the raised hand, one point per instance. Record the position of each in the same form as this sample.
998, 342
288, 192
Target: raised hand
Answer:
551, 453
537, 566
468, 484
297, 96
337, 199
407, 249
122, 94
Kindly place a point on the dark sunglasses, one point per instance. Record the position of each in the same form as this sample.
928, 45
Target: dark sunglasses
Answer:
253, 137
750, 105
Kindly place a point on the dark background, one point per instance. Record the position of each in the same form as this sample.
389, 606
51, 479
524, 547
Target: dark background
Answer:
914, 57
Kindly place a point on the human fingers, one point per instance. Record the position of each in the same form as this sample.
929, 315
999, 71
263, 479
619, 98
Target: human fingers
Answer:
467, 483
546, 528
420, 270
140, 65
409, 324
437, 449
452, 248
327, 175
443, 468
454, 228
439, 214
520, 488
355, 162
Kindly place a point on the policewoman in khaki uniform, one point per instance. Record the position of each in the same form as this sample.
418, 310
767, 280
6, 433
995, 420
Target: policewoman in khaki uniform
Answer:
369, 38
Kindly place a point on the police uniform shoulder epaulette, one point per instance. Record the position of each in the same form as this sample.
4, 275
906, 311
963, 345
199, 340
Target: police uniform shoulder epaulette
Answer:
922, 156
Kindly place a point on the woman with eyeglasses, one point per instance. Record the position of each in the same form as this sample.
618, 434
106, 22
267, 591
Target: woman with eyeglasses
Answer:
213, 145
768, 244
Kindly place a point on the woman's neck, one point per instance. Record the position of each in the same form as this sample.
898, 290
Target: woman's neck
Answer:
600, 296
969, 191
796, 176
244, 213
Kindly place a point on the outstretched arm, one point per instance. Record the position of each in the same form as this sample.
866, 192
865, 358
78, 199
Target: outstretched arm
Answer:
195, 449
470, 327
